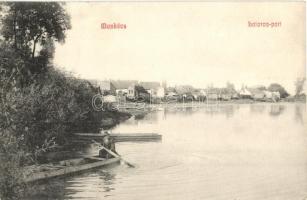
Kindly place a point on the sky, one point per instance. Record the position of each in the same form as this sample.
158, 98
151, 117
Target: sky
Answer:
197, 43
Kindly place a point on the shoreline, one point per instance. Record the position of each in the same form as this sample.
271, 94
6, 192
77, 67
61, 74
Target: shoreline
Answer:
140, 108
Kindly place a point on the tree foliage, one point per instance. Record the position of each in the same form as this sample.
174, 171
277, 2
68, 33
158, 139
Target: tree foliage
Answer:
36, 101
275, 87
28, 24
230, 88
140, 89
41, 113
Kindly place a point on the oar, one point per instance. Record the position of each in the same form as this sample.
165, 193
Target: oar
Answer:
114, 154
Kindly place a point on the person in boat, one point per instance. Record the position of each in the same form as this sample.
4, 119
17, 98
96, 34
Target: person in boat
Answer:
108, 142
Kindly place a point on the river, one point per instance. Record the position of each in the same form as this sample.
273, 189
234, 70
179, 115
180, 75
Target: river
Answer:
222, 152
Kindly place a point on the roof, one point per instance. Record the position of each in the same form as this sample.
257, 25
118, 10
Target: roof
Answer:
150, 85
255, 91
105, 85
213, 90
172, 94
123, 84
244, 91
183, 89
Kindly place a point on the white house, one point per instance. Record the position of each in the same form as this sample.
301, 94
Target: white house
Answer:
109, 99
160, 92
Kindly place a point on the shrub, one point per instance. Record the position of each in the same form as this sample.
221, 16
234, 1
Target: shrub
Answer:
53, 106
11, 157
34, 117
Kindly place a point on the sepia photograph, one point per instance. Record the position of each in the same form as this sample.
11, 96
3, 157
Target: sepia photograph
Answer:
153, 100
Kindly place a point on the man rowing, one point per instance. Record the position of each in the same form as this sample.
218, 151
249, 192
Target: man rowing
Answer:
108, 143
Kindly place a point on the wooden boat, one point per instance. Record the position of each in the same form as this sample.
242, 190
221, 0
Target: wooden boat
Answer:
66, 167
121, 137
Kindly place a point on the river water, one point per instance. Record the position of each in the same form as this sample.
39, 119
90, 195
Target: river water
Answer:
223, 152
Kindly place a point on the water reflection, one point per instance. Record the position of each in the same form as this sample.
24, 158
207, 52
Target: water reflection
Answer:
139, 117
224, 109
108, 180
257, 108
229, 110
276, 110
86, 185
299, 110
213, 152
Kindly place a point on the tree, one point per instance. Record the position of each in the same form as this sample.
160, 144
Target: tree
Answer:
32, 114
261, 87
275, 87
140, 89
27, 24
230, 85
299, 86
230, 88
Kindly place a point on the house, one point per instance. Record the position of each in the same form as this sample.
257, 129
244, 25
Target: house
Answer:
198, 95
122, 92
155, 89
273, 96
226, 94
235, 96
160, 92
257, 94
212, 93
109, 99
268, 94
276, 95
171, 94
184, 89
122, 86
131, 92
245, 94
150, 86
106, 87
171, 97
203, 92
138, 93
188, 97
264, 95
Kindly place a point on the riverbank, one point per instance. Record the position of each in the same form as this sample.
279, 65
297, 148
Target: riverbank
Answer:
111, 119
139, 109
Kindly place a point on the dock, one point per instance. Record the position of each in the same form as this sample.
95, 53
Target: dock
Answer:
121, 137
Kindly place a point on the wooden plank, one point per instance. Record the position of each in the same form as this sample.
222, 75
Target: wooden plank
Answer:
96, 158
119, 134
121, 137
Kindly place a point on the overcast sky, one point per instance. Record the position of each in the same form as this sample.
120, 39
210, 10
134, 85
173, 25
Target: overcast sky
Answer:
186, 43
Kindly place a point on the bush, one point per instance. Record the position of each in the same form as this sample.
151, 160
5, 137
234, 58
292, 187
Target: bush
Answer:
11, 157
53, 106
38, 115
